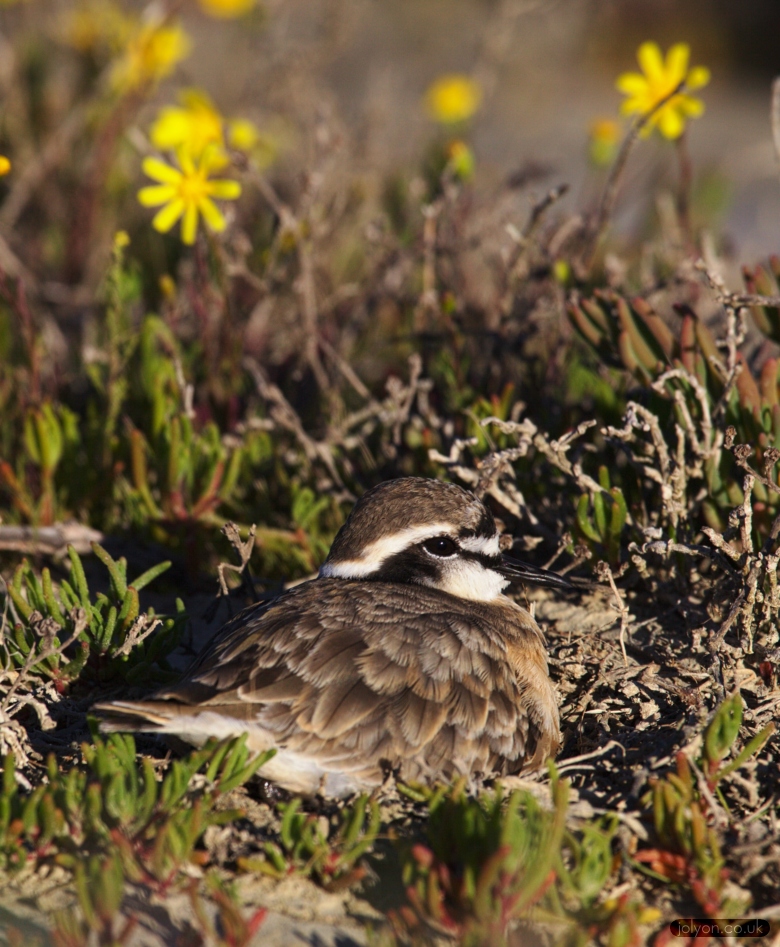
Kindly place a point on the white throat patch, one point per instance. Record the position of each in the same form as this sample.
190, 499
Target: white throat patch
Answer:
465, 578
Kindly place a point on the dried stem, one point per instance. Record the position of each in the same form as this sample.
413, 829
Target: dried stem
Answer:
609, 195
774, 115
79, 618
604, 572
684, 186
139, 631
49, 540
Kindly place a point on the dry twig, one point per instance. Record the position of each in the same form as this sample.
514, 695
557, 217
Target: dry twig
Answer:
604, 572
775, 116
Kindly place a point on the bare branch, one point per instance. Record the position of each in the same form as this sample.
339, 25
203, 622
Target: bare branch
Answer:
604, 572
774, 115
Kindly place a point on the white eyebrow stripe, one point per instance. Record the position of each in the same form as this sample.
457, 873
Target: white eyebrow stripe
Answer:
484, 545
376, 552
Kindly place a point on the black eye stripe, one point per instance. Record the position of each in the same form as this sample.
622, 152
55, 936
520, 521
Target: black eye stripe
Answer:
483, 558
485, 528
444, 547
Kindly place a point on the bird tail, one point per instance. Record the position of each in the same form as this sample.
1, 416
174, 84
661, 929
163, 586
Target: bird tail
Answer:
146, 716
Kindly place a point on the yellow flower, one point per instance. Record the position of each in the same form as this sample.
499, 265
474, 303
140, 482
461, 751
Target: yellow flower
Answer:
453, 99
227, 9
660, 78
187, 192
262, 147
95, 24
243, 135
460, 160
167, 287
151, 55
194, 126
604, 137
561, 271
5, 165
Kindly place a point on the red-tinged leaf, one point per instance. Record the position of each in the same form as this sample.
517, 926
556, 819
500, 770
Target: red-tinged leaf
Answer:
584, 325
256, 921
663, 861
210, 497
749, 395
768, 383
706, 340
688, 343
598, 313
422, 855
655, 324
627, 353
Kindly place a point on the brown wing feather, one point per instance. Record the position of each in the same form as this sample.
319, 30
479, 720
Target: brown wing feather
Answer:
350, 673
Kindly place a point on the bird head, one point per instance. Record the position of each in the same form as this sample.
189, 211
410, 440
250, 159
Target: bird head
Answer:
425, 532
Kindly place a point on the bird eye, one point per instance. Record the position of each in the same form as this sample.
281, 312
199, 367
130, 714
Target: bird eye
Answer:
441, 546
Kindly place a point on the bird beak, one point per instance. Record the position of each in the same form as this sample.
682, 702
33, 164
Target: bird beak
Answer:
517, 571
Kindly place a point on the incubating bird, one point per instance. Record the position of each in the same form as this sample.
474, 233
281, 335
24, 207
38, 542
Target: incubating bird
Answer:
403, 656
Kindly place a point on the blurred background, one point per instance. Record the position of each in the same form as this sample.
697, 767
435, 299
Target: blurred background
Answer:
355, 73
547, 69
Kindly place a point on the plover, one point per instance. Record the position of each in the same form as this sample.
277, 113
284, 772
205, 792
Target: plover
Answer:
404, 655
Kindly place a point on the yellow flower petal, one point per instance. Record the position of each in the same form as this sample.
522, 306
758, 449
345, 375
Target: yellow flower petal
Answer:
156, 194
691, 107
5, 165
225, 190
164, 219
184, 155
631, 107
212, 214
698, 77
677, 63
189, 225
651, 62
160, 171
213, 158
195, 125
170, 128
150, 54
242, 134
670, 123
631, 83
227, 9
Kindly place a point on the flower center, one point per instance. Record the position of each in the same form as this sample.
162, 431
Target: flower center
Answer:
193, 188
